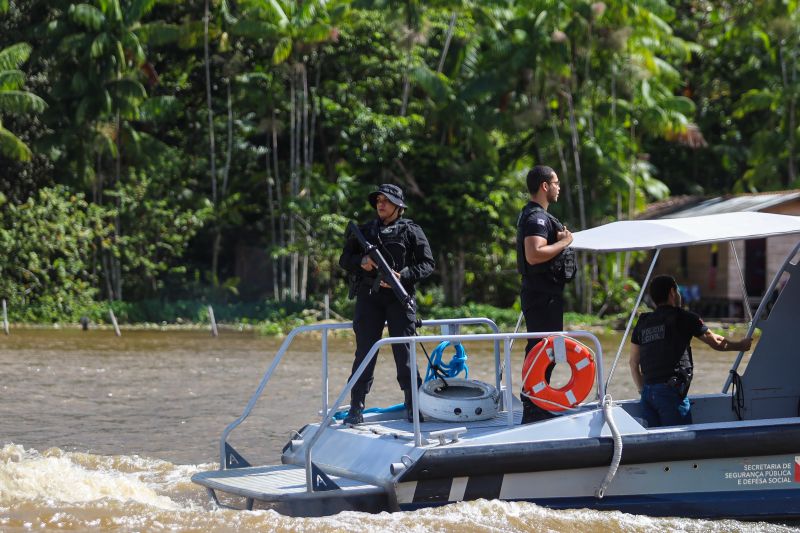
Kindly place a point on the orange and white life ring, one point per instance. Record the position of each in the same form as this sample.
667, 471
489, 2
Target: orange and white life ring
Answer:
558, 349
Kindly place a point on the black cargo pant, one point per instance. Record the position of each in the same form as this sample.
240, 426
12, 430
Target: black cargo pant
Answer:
543, 312
372, 312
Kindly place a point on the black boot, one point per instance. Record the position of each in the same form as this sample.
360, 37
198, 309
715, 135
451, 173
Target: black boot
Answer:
356, 413
532, 412
409, 407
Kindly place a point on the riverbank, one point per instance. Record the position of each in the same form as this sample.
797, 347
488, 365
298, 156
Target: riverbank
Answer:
572, 321
277, 318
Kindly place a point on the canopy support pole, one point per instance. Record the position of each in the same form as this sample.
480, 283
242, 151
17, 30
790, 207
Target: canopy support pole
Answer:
633, 315
745, 301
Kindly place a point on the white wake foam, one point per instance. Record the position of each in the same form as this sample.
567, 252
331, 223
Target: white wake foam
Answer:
57, 476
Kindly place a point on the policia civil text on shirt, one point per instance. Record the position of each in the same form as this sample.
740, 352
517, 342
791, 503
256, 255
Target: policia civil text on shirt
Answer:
661, 356
403, 244
545, 263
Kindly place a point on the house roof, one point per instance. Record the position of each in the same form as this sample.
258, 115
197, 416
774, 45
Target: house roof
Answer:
689, 206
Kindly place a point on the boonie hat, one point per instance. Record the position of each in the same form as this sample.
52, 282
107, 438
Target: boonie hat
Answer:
392, 192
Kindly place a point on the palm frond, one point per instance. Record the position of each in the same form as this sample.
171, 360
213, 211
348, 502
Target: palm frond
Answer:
254, 29
651, 19
666, 69
434, 84
13, 56
75, 43
18, 102
136, 10
158, 33
680, 104
11, 79
306, 13
282, 51
755, 100
12, 147
276, 13
87, 16
317, 33
655, 187
101, 45
130, 41
127, 89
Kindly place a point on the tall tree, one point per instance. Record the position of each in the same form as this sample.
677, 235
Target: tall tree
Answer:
98, 67
294, 31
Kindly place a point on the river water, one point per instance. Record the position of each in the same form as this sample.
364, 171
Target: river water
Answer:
102, 433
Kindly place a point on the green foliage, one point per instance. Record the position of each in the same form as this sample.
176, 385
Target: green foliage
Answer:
13, 56
165, 223
87, 16
454, 101
615, 296
196, 311
48, 244
14, 101
12, 147
505, 318
11, 79
20, 102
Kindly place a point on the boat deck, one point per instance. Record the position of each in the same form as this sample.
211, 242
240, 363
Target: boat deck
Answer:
395, 424
287, 482
274, 483
401, 426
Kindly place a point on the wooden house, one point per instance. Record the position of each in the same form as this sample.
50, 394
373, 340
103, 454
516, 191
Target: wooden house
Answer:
711, 276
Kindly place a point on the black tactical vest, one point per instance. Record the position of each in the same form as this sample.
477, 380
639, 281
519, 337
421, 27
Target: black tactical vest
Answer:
393, 241
664, 351
523, 267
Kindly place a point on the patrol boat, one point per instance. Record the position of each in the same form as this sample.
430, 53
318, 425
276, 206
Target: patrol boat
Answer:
740, 458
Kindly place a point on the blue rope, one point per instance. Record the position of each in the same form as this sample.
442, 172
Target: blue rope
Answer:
340, 415
456, 365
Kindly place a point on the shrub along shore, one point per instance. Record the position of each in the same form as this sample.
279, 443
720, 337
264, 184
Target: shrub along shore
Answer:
270, 319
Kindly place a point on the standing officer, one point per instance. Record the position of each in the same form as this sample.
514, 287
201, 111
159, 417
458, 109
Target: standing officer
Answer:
541, 242
405, 247
661, 356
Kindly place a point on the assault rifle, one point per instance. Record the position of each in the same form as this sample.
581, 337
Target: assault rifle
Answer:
385, 272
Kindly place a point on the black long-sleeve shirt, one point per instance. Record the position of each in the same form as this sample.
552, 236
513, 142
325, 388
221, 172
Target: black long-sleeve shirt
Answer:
402, 243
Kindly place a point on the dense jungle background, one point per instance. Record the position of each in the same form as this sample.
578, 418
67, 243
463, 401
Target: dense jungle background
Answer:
160, 156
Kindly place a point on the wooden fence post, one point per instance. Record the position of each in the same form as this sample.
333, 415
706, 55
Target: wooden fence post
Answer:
5, 317
114, 321
214, 331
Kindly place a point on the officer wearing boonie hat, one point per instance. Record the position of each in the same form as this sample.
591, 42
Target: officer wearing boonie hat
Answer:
393, 193
405, 247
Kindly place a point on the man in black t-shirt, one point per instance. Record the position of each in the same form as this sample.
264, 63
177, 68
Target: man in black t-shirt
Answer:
540, 239
661, 355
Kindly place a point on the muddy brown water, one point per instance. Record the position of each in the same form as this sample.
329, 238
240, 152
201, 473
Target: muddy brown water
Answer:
102, 433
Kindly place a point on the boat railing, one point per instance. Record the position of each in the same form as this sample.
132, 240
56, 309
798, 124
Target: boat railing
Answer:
505, 338
451, 325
